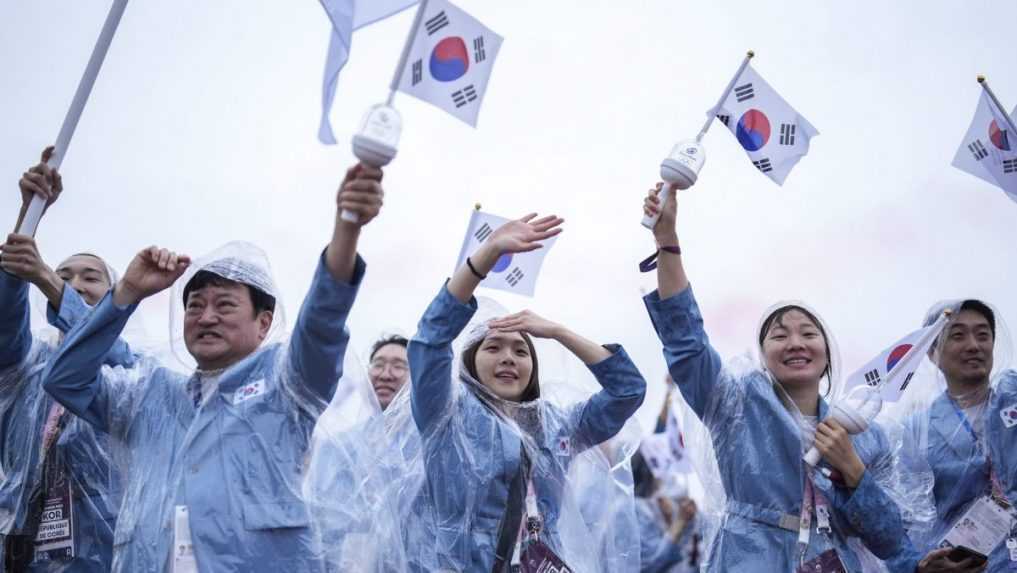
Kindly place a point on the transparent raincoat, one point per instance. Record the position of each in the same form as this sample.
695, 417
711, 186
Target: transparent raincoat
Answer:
966, 438
214, 457
59, 484
440, 480
748, 444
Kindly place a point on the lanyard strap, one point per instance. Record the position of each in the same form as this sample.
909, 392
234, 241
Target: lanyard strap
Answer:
51, 430
812, 499
995, 485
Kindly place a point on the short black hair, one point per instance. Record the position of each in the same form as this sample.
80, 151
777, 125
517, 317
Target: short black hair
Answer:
975, 305
385, 341
260, 299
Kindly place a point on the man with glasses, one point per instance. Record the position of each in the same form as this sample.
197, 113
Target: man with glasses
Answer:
388, 369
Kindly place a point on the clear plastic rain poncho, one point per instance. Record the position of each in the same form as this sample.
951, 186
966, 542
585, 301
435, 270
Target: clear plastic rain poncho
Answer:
438, 482
215, 460
59, 484
964, 434
747, 439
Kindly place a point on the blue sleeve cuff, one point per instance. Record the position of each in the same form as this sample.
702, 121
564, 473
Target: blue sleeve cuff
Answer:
445, 318
619, 366
72, 309
674, 316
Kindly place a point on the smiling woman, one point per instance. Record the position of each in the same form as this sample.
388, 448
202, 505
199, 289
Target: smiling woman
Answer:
790, 516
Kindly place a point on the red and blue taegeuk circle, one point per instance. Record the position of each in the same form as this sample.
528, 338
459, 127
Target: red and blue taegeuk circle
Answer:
999, 137
753, 130
449, 59
895, 356
503, 263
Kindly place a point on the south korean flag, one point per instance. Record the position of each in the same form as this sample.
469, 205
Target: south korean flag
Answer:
514, 272
773, 134
450, 61
989, 149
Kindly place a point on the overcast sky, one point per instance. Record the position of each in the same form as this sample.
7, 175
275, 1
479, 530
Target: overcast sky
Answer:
202, 126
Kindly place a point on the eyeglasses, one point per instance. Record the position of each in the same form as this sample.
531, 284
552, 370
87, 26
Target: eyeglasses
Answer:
398, 368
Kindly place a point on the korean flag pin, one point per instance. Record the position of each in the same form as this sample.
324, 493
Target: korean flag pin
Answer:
1009, 416
564, 447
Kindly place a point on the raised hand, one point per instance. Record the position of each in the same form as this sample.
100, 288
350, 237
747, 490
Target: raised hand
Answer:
20, 257
525, 234
665, 231
529, 322
361, 193
41, 180
151, 271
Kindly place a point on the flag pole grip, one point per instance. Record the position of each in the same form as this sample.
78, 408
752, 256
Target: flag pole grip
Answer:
35, 209
650, 221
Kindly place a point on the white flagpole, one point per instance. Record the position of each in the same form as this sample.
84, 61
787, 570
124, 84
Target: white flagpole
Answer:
35, 209
410, 39
469, 228
723, 96
999, 106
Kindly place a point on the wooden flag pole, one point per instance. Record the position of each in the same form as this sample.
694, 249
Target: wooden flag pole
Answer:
410, 39
33, 215
1012, 137
713, 111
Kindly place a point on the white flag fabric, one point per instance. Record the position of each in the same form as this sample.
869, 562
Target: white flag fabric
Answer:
894, 367
773, 134
989, 150
347, 16
516, 273
451, 60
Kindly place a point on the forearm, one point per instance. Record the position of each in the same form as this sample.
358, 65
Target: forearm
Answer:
341, 254
586, 350
464, 281
52, 286
15, 333
671, 278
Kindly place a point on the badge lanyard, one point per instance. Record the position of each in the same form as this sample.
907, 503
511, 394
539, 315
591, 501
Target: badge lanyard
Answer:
812, 500
995, 486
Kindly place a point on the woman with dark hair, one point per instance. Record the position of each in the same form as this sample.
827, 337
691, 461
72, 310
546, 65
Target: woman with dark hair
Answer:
781, 514
496, 452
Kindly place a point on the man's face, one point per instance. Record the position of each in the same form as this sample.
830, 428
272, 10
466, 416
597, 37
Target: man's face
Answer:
87, 275
220, 325
388, 372
965, 355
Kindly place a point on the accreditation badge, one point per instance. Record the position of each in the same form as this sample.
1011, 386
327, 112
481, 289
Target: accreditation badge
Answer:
54, 539
537, 557
826, 562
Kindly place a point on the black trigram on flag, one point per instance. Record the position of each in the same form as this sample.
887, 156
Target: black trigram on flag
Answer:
907, 380
514, 277
479, 55
1010, 166
763, 165
464, 96
978, 150
436, 23
787, 133
744, 92
418, 72
872, 377
483, 232
724, 118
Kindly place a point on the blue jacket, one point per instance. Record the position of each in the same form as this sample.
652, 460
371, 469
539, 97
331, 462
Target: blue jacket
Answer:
758, 447
961, 471
80, 455
237, 461
471, 455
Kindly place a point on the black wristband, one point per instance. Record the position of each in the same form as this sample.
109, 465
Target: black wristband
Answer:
650, 262
473, 270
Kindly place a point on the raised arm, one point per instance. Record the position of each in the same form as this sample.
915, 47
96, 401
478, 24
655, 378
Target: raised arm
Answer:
623, 387
430, 350
15, 332
691, 360
73, 377
318, 343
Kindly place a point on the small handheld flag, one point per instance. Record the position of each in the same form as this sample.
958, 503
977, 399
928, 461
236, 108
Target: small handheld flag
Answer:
514, 272
449, 62
774, 135
989, 148
894, 367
